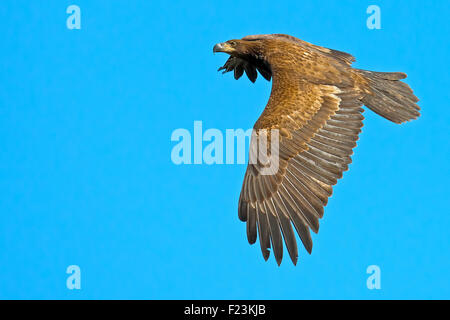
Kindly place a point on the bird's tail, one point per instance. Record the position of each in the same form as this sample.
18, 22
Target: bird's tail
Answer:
389, 97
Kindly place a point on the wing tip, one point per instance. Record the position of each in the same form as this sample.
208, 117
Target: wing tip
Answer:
294, 260
266, 255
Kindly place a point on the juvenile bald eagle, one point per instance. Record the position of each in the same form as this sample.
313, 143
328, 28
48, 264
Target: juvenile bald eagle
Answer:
315, 104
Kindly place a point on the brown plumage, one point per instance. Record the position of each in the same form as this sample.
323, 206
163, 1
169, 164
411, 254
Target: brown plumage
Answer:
315, 104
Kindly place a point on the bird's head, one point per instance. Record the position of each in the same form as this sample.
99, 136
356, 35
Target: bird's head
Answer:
239, 47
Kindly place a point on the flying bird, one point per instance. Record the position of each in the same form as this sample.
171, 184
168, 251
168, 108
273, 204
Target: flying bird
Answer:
316, 106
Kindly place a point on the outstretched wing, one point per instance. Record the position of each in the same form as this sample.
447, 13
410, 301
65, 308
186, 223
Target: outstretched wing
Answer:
318, 125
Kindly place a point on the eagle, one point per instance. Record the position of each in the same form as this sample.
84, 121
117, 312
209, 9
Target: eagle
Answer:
316, 105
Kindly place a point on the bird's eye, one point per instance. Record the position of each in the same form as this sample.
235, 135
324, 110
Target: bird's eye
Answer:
232, 43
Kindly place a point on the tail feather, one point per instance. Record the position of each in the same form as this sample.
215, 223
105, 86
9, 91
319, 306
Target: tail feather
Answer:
389, 97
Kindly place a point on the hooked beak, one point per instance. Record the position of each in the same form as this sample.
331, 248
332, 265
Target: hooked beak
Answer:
222, 47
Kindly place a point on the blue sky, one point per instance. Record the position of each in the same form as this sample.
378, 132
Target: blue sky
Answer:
86, 176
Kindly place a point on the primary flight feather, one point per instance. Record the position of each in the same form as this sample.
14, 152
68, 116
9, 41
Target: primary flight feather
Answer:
315, 105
